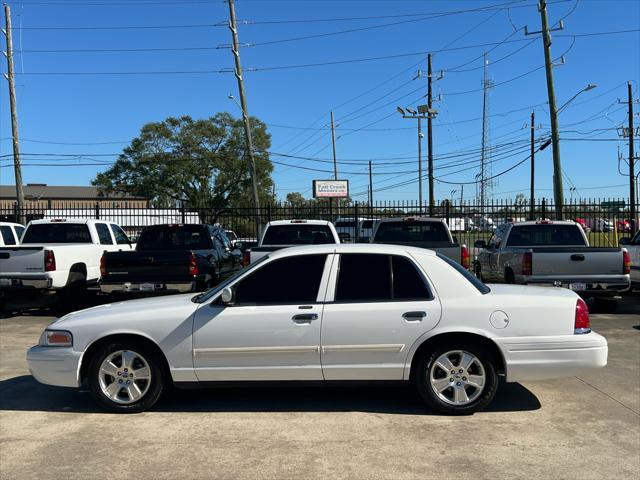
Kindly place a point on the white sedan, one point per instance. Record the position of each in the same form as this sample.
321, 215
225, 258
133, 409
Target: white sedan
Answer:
325, 313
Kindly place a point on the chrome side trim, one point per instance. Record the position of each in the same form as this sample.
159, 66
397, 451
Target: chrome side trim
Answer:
364, 348
255, 350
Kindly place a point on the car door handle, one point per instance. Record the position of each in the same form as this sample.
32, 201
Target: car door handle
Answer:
304, 317
414, 316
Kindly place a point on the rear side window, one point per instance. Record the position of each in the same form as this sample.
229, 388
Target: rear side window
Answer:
175, 237
545, 236
19, 231
57, 233
7, 235
379, 278
297, 234
103, 234
291, 280
121, 237
412, 231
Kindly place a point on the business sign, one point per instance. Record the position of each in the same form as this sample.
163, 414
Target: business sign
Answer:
330, 188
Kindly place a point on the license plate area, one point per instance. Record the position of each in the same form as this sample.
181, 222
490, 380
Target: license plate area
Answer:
578, 286
147, 287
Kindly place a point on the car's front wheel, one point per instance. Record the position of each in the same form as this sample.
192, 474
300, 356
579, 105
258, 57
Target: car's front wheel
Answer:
126, 378
457, 379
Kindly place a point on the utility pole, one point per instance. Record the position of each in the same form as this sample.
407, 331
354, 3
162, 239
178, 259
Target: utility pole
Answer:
235, 49
558, 192
430, 134
420, 165
485, 163
532, 205
335, 163
632, 176
14, 116
370, 186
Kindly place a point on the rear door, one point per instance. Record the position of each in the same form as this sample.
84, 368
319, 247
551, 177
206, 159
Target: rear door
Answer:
379, 307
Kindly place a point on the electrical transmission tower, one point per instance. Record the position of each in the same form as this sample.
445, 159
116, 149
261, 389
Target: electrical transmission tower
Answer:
485, 184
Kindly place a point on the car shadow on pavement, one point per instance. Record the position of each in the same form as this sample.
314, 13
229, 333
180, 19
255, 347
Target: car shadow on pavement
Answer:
23, 393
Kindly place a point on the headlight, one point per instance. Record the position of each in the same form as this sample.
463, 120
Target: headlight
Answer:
56, 338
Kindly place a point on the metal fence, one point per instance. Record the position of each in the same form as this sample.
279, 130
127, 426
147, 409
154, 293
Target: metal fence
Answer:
604, 220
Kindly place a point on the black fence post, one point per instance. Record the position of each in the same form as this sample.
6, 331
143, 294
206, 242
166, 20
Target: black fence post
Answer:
97, 212
355, 214
16, 214
183, 213
543, 209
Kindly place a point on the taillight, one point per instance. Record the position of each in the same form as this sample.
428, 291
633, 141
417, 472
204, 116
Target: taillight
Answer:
246, 257
465, 256
626, 263
193, 266
49, 261
103, 266
582, 323
527, 263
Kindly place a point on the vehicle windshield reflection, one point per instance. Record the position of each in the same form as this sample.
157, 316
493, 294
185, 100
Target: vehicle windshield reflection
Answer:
204, 296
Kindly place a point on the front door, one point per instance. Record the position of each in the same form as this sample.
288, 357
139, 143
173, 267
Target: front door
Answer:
272, 330
381, 305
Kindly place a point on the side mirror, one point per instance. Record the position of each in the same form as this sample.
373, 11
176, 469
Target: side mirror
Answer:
238, 246
227, 296
480, 244
624, 241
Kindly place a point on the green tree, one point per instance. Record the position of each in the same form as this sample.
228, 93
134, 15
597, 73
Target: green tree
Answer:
199, 161
296, 198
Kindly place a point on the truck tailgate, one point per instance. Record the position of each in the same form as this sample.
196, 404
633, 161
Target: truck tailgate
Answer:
146, 266
21, 260
577, 261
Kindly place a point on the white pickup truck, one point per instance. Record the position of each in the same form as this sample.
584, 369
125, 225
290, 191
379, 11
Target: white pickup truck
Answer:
289, 233
10, 233
552, 253
59, 255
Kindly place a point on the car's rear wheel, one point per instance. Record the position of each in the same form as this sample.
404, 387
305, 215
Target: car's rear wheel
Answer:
457, 379
126, 378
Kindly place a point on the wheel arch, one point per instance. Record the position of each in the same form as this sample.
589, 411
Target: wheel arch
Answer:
75, 269
122, 337
432, 341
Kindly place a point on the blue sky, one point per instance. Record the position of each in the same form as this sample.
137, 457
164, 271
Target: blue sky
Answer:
99, 114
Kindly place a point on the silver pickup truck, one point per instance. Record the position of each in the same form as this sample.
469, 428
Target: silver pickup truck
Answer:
423, 232
550, 253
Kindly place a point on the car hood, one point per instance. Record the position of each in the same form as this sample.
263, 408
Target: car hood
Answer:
530, 290
150, 309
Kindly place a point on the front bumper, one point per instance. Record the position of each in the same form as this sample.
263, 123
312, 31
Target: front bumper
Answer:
151, 287
594, 285
542, 358
59, 366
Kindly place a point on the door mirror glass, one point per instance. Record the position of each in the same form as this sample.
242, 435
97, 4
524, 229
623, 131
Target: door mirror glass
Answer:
227, 295
480, 244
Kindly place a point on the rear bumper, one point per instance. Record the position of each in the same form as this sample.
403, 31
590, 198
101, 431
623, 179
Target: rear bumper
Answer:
19, 281
54, 365
541, 358
594, 284
148, 287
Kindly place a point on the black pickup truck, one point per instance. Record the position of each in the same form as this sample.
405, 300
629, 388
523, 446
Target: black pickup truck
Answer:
170, 259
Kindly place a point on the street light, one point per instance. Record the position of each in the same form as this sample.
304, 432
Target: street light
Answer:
590, 86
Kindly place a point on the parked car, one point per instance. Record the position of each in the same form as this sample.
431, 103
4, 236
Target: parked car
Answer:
423, 232
355, 230
623, 226
583, 223
59, 255
327, 313
233, 238
600, 224
10, 233
288, 233
633, 247
553, 254
484, 224
171, 258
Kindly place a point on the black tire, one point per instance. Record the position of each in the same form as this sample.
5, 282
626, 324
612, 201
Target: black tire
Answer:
509, 277
157, 383
486, 394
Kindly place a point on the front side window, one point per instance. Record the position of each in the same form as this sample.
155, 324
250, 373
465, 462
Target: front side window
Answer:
57, 233
7, 235
291, 280
121, 237
103, 234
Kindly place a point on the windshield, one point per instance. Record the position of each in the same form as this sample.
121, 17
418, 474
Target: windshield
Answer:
412, 231
174, 237
298, 234
481, 287
545, 236
57, 233
204, 296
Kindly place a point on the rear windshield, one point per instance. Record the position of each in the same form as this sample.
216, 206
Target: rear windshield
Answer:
481, 287
298, 234
57, 233
174, 237
346, 223
412, 231
545, 236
